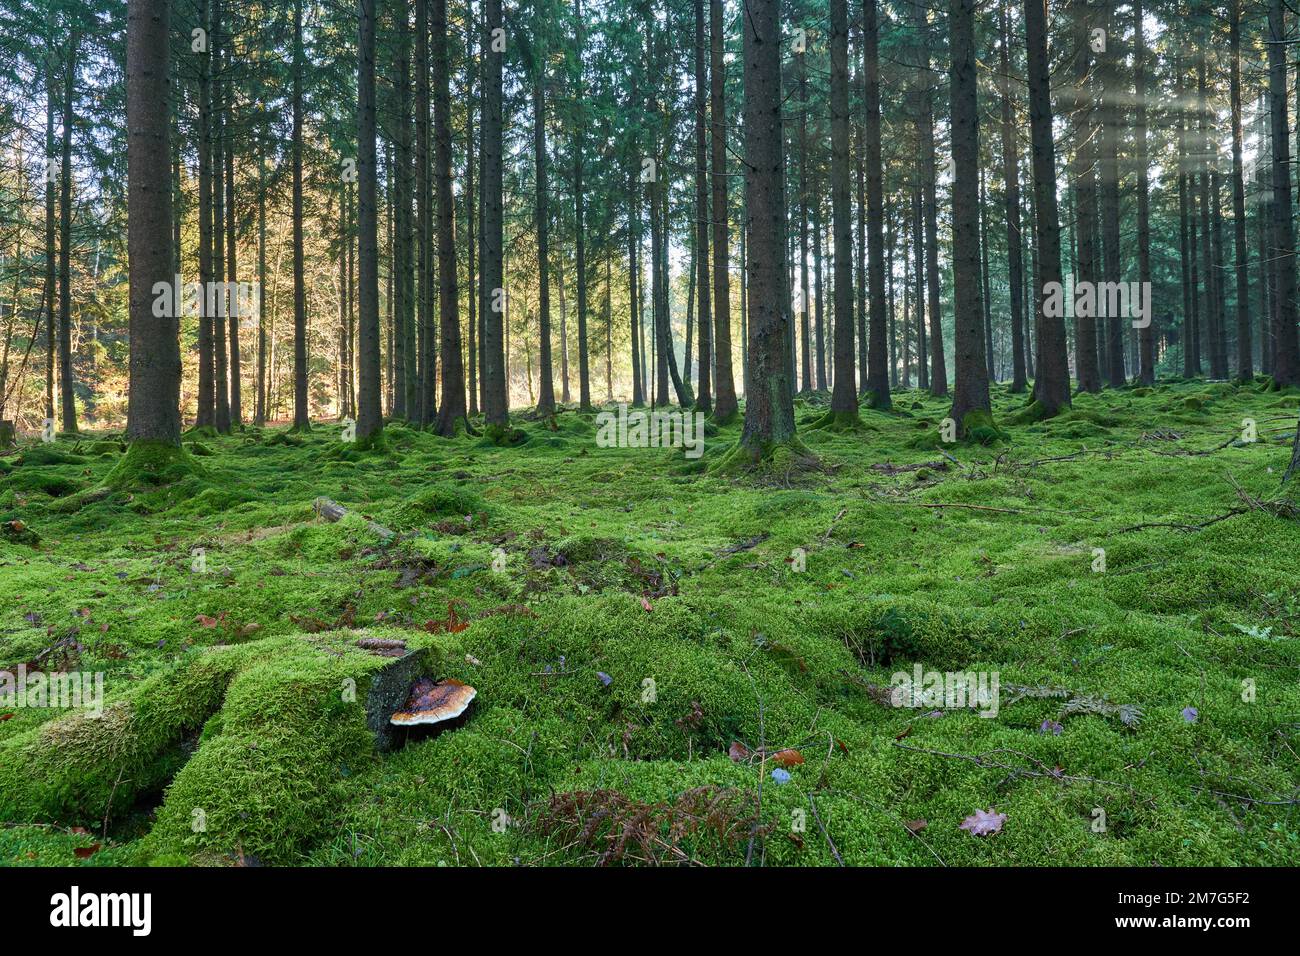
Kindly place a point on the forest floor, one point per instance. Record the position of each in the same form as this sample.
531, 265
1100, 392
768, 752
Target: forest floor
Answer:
659, 641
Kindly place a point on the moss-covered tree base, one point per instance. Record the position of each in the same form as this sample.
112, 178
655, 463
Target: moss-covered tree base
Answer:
978, 426
150, 464
876, 400
782, 458
504, 436
1035, 411
722, 421
834, 421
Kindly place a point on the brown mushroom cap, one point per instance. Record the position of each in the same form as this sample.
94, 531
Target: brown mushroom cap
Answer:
431, 703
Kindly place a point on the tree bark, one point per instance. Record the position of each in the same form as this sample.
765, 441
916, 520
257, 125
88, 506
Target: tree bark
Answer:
844, 396
1286, 356
153, 399
217, 294
704, 390
301, 410
207, 397
546, 399
1011, 186
1111, 325
1052, 387
426, 378
491, 298
875, 391
370, 417
805, 297
1245, 368
67, 383
1146, 333
925, 131
769, 405
725, 404
451, 412
970, 406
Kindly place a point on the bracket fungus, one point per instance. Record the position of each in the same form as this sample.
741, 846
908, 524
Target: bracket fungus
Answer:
434, 703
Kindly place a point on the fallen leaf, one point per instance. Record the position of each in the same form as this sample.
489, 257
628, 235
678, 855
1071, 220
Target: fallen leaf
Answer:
205, 621
787, 758
916, 826
85, 852
984, 822
646, 604
738, 752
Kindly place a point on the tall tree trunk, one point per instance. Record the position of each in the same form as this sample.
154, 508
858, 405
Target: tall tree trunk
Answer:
1146, 331
1011, 186
217, 294
67, 383
925, 130
301, 410
153, 399
918, 298
370, 418
704, 392
1212, 317
259, 402
1187, 260
1286, 357
1245, 367
769, 405
970, 405
984, 270
1112, 327
232, 270
725, 406
546, 400
859, 160
471, 206
452, 409
1052, 387
492, 294
805, 298
426, 378
633, 288
844, 397
207, 397
875, 390
584, 371
406, 358
1084, 173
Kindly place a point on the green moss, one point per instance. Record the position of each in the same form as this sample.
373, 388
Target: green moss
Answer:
149, 463
794, 594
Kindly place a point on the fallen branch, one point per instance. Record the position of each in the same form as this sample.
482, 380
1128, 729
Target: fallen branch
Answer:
333, 511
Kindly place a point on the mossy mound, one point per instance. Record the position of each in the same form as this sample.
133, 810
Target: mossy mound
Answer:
147, 464
49, 453
278, 724
437, 501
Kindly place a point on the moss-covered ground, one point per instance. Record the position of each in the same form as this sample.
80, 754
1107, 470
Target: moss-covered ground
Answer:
640, 627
